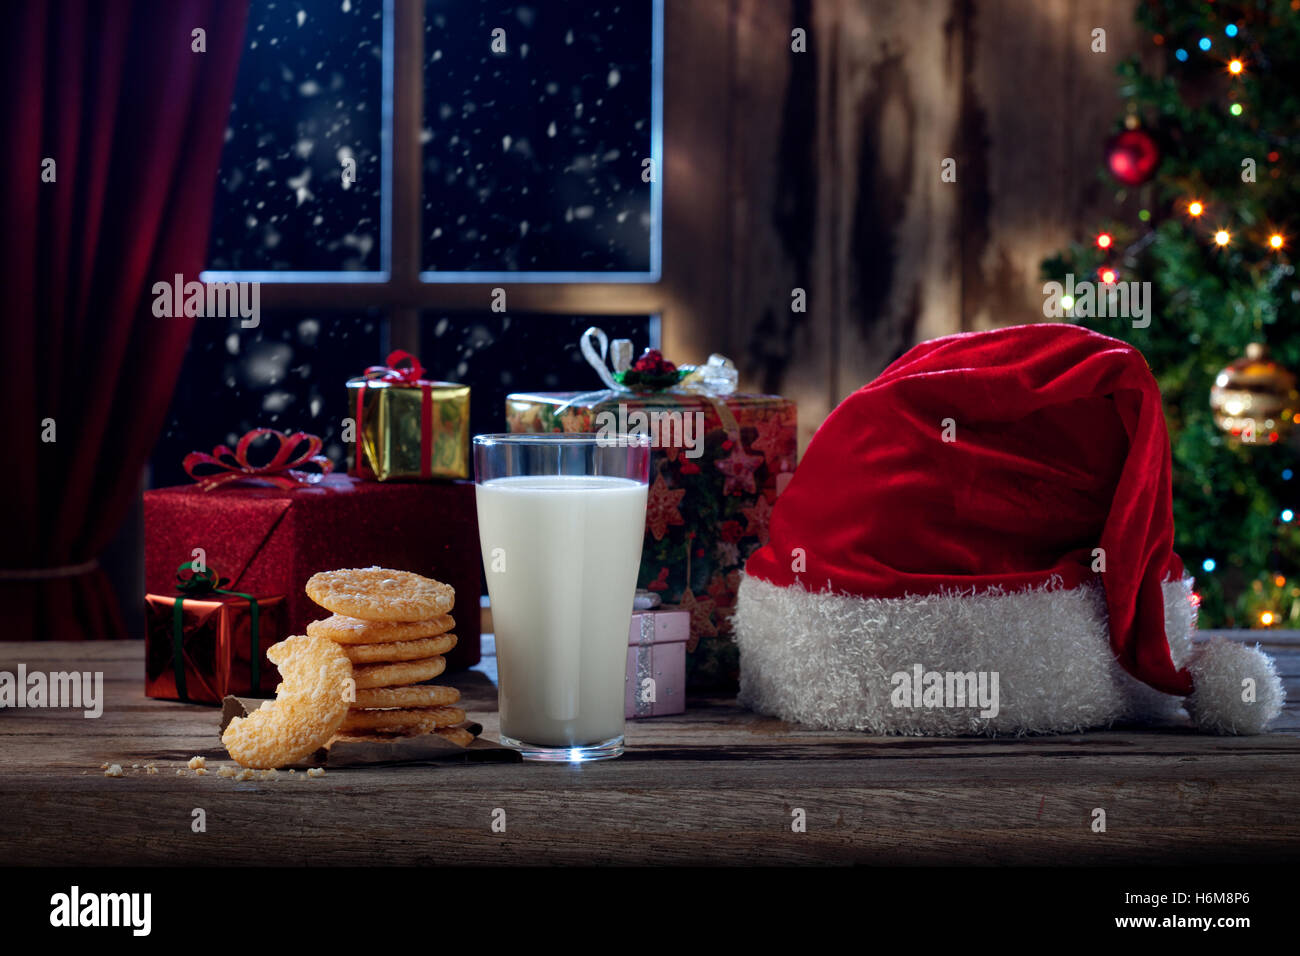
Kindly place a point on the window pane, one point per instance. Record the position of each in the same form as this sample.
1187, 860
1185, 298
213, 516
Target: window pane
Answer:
309, 96
289, 373
499, 354
533, 156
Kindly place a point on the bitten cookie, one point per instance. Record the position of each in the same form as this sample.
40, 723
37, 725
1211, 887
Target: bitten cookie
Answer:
310, 706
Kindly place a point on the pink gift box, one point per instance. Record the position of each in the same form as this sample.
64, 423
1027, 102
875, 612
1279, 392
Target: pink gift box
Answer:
655, 685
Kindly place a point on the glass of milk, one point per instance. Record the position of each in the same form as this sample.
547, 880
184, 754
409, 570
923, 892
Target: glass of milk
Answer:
561, 519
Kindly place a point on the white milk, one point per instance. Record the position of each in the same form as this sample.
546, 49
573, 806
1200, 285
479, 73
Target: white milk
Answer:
561, 608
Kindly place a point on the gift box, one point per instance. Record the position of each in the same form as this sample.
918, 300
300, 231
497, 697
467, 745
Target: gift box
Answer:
655, 685
270, 540
407, 427
720, 460
206, 642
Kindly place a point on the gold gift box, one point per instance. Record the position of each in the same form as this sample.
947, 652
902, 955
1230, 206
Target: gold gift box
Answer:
409, 431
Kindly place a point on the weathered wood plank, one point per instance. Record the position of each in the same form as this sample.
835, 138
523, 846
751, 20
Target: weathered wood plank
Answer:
1039, 105
778, 132
1015, 155
696, 179
714, 785
628, 813
894, 255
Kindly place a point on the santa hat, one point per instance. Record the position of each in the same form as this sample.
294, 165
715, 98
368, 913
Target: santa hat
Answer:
995, 506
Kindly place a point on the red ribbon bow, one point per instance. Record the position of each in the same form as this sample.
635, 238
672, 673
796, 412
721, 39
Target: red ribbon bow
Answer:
411, 374
224, 466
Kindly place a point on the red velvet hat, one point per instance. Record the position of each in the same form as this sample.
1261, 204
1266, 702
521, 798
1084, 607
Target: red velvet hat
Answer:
996, 502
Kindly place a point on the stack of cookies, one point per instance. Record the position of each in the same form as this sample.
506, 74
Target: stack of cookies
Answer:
394, 627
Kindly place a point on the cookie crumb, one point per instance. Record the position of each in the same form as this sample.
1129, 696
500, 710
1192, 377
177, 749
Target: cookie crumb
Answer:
316, 772
182, 772
197, 763
150, 768
103, 766
200, 772
226, 771
269, 774
114, 770
245, 774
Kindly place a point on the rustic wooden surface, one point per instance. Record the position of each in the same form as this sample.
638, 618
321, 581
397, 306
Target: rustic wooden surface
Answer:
820, 170
716, 785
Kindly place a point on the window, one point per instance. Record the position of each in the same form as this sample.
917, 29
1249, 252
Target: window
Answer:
451, 142
309, 102
534, 159
388, 165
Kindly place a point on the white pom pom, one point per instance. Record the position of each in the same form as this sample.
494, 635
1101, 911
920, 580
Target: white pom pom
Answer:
1223, 702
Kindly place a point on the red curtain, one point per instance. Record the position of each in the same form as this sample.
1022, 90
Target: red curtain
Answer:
133, 117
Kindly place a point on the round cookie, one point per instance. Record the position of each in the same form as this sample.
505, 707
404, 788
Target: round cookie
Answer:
310, 706
457, 735
400, 650
422, 695
398, 673
380, 594
353, 630
414, 720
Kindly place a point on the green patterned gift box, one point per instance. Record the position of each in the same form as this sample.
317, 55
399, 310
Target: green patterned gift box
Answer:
720, 460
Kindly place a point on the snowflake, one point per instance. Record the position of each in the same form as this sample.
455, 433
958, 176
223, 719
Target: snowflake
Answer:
662, 508
739, 469
757, 517
775, 440
701, 618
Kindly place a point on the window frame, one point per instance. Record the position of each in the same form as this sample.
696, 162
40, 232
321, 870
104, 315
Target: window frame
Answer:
402, 290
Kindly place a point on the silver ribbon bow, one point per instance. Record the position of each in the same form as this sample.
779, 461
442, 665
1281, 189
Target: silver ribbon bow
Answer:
717, 376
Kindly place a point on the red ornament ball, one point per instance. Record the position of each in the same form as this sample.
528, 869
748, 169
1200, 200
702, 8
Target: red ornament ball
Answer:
1132, 156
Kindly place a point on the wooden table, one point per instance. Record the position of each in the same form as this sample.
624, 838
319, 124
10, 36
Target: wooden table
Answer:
716, 785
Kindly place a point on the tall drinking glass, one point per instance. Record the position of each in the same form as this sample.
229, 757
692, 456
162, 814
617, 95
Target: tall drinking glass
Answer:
561, 519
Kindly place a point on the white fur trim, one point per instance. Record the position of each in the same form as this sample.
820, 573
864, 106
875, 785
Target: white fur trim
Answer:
827, 659
1219, 667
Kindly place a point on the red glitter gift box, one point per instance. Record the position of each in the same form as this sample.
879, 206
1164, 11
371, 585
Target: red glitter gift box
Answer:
270, 540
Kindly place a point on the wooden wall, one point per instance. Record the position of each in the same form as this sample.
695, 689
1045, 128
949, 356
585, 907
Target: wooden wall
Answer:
821, 170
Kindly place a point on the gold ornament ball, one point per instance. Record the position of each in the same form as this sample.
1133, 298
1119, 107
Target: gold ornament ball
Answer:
1255, 398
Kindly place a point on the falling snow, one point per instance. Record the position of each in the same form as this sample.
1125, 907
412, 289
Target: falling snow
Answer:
562, 189
308, 94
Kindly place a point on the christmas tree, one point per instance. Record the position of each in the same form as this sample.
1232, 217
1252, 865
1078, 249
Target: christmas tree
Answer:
1206, 213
